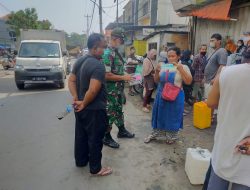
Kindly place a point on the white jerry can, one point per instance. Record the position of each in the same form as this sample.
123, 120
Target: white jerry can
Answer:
197, 163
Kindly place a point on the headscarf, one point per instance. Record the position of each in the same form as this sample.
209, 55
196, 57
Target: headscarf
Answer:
152, 53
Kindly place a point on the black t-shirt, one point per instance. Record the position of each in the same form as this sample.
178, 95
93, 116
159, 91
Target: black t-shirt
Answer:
85, 69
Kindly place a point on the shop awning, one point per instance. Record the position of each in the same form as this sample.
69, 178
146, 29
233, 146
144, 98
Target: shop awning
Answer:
214, 11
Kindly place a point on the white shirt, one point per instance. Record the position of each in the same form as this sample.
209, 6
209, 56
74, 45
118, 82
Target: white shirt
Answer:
233, 125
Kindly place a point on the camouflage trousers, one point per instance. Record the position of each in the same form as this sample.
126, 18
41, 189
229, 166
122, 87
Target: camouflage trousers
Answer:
114, 109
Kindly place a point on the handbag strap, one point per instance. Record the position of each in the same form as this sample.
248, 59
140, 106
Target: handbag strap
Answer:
170, 81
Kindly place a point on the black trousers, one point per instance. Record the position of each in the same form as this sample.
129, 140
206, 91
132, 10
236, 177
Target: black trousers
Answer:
90, 128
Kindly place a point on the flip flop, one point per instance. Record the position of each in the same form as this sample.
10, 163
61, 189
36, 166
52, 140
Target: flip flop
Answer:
170, 142
104, 172
149, 139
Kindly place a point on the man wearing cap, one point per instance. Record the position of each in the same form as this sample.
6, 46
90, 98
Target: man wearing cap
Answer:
115, 78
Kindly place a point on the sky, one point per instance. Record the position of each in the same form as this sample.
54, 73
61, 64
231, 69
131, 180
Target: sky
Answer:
67, 15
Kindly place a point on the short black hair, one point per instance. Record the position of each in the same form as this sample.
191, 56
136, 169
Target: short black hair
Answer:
94, 40
176, 49
202, 45
217, 36
132, 48
241, 41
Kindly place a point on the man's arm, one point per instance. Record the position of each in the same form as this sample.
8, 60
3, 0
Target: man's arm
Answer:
222, 61
94, 88
130, 61
214, 95
113, 77
72, 86
196, 62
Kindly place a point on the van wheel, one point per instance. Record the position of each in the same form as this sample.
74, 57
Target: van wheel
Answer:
61, 84
20, 86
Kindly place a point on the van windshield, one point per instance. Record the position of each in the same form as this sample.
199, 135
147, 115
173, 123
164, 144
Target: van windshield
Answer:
41, 50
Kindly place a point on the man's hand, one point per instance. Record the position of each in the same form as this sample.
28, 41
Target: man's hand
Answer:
127, 77
243, 146
79, 106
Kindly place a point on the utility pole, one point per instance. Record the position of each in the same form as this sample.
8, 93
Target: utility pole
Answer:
117, 3
100, 15
117, 11
87, 16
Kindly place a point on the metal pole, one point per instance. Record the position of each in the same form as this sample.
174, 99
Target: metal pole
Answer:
87, 16
100, 14
117, 11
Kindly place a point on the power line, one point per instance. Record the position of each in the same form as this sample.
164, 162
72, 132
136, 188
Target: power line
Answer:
93, 11
114, 5
6, 8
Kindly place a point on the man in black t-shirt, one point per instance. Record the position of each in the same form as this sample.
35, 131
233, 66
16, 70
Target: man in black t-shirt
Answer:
87, 86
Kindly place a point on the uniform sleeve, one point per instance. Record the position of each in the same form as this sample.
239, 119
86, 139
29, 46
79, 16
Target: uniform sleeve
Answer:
107, 60
222, 57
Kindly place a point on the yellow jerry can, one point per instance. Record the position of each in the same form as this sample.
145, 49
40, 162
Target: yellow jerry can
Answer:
202, 115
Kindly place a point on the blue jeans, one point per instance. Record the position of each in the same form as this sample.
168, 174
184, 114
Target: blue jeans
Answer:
217, 183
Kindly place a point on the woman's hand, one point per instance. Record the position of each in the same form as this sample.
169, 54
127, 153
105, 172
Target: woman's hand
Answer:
178, 65
243, 146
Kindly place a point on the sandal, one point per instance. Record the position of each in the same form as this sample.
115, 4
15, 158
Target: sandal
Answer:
170, 142
149, 138
104, 172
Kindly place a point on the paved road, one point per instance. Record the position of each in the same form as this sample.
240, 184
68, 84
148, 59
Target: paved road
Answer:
36, 149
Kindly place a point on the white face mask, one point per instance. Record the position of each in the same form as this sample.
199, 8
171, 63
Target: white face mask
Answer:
212, 44
246, 39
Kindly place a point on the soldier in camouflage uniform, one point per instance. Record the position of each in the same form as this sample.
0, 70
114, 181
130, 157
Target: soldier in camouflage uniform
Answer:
115, 87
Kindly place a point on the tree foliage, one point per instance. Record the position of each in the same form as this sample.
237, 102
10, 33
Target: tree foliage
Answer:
74, 39
27, 19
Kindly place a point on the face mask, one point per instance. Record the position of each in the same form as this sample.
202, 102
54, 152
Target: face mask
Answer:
212, 44
246, 39
203, 53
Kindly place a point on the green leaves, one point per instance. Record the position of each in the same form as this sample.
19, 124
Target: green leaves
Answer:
73, 40
27, 19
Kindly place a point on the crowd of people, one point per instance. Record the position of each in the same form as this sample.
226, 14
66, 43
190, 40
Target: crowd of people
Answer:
97, 86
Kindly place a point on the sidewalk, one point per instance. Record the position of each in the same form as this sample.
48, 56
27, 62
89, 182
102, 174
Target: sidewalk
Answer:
3, 72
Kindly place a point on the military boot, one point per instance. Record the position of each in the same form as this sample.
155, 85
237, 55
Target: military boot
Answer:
124, 133
109, 141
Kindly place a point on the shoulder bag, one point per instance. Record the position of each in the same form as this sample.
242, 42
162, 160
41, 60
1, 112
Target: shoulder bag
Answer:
170, 91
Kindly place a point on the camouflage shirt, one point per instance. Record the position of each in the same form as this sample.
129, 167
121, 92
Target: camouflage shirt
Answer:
114, 65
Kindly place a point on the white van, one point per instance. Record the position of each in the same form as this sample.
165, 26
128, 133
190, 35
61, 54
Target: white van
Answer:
41, 58
40, 61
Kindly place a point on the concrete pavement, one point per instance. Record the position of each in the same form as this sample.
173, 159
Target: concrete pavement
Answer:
36, 149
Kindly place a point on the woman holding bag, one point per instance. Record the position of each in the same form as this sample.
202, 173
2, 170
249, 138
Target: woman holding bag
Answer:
167, 117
